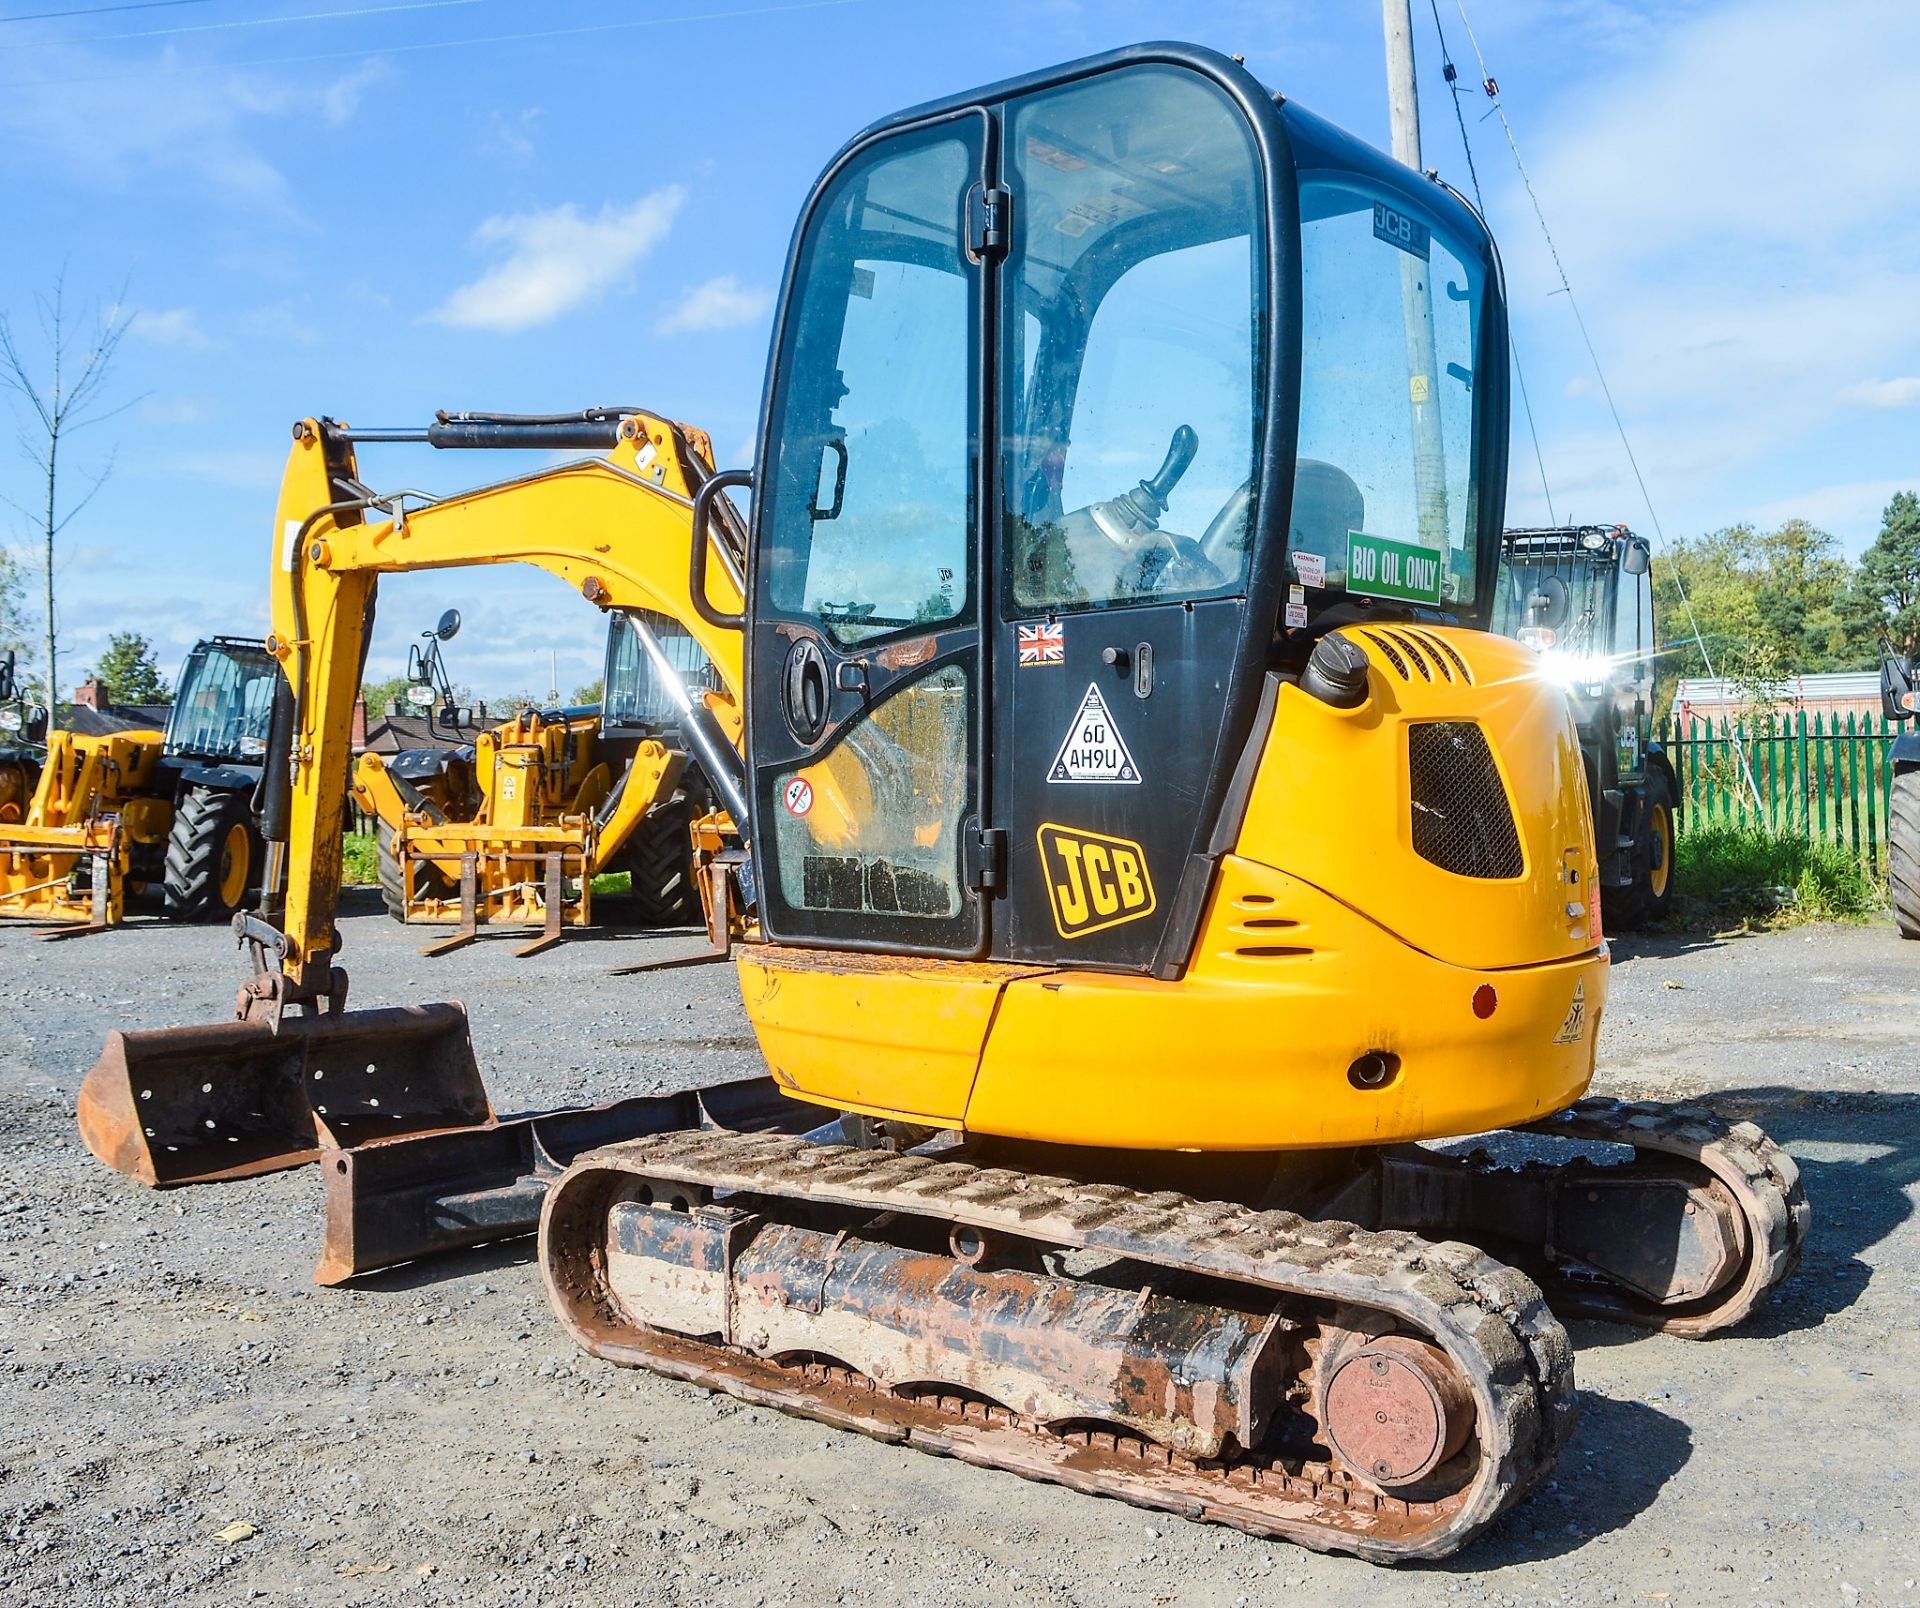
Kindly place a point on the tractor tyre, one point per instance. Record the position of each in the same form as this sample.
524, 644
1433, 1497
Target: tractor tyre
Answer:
659, 858
214, 855
1903, 852
1650, 898
428, 883
393, 893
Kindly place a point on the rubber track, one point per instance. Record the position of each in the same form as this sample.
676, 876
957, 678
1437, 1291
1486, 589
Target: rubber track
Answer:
1491, 1319
1763, 1179
1903, 852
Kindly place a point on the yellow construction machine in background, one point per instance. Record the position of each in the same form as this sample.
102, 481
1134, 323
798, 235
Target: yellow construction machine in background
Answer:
118, 813
551, 799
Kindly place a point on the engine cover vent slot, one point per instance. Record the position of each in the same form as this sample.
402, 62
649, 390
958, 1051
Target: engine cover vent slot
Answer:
1462, 819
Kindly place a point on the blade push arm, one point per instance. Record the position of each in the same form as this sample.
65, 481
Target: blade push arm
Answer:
617, 529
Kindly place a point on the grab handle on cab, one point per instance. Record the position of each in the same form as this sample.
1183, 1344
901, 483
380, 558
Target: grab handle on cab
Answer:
711, 488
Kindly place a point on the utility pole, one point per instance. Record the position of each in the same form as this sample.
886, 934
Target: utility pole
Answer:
1416, 292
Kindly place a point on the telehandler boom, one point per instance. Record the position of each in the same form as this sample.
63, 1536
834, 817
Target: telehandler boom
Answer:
1153, 854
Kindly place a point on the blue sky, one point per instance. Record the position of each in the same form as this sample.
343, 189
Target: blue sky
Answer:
374, 209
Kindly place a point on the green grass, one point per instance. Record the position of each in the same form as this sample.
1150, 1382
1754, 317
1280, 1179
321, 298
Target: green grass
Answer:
362, 857
613, 885
1745, 875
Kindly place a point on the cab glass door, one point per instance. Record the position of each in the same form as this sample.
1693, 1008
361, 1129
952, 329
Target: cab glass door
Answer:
866, 652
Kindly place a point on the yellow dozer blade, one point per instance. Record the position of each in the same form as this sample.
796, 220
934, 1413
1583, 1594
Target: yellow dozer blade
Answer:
190, 1105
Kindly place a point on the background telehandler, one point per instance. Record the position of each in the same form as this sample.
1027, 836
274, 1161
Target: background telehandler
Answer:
1899, 701
604, 786
23, 744
1152, 851
1582, 595
126, 811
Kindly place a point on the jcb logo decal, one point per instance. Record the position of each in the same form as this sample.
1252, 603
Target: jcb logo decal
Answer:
1093, 881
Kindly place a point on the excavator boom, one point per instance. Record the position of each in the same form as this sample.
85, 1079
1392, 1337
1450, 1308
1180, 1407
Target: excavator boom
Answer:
295, 1071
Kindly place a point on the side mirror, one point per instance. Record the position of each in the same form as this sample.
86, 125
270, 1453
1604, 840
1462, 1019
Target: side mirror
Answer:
449, 626
1897, 699
6, 678
1637, 559
35, 730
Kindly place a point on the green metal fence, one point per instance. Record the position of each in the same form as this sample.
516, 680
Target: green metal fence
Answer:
1821, 776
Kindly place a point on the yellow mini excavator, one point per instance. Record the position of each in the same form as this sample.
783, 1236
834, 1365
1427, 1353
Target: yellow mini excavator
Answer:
1153, 862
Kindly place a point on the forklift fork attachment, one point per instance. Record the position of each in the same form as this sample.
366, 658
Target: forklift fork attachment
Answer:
191, 1105
395, 1200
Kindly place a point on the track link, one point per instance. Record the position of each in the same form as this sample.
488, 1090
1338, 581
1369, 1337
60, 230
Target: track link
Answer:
1491, 1322
1762, 1178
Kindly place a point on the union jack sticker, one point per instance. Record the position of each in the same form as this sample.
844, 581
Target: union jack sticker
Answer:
1045, 643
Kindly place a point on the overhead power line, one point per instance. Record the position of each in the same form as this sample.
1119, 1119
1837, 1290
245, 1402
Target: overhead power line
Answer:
1492, 87
244, 22
1452, 76
165, 69
101, 11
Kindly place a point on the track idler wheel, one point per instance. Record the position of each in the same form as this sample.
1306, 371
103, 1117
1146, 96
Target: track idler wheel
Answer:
1393, 1409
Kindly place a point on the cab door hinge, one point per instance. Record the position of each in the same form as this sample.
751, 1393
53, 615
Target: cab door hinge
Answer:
987, 859
989, 221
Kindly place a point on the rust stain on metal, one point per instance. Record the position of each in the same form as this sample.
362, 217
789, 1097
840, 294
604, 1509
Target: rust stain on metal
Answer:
218, 1100
905, 655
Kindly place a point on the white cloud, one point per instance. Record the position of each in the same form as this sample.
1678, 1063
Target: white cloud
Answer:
722, 303
280, 324
557, 260
173, 326
1853, 510
172, 410
512, 137
88, 119
341, 99
1900, 393
1740, 269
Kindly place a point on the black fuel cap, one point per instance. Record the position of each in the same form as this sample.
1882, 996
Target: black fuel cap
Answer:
1336, 673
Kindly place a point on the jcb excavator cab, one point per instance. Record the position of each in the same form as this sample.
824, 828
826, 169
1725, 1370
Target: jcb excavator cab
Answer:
1133, 457
1094, 400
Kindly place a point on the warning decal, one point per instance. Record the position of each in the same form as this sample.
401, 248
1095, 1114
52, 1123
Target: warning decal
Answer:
1094, 750
1574, 1028
797, 795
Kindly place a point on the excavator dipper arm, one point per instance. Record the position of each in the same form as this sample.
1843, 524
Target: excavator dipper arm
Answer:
180, 1105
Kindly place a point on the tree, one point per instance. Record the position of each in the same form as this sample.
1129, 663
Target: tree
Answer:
1888, 580
593, 692
130, 672
68, 397
1768, 605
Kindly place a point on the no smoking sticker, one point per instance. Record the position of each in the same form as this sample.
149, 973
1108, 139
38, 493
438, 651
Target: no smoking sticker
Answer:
797, 795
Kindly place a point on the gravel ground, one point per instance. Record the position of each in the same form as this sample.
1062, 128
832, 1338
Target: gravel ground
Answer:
168, 1373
